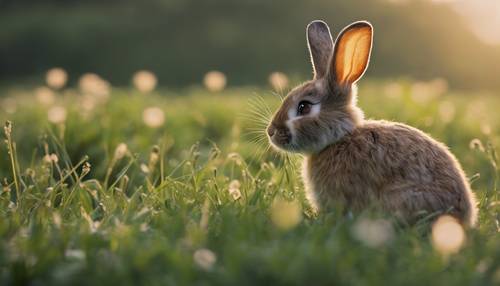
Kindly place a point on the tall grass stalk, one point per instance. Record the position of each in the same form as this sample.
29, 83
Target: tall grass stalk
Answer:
11, 148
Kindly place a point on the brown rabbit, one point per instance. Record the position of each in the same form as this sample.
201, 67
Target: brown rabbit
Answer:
356, 163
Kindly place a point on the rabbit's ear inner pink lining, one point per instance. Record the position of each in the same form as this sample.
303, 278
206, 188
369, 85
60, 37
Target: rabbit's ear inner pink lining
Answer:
352, 53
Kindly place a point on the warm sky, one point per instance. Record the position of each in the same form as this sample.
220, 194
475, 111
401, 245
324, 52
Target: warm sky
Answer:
482, 16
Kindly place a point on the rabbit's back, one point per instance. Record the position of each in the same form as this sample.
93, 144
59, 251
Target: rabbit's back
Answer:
392, 165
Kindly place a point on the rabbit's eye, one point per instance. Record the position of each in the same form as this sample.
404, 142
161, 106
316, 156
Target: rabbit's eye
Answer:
304, 107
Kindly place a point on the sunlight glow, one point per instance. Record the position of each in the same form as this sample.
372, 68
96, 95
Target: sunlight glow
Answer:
483, 18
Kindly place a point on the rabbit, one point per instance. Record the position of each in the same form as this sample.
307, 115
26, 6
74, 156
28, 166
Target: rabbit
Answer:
356, 163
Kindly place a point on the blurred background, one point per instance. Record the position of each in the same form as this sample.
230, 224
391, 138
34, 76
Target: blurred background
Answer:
134, 147
181, 40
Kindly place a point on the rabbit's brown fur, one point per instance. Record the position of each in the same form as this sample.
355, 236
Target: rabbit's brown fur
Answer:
355, 163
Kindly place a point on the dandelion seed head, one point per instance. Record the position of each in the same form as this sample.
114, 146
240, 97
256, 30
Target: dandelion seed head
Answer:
477, 110
439, 86
446, 111
476, 144
54, 158
57, 114
56, 78
30, 172
485, 129
422, 93
86, 168
234, 184
236, 158
205, 259
448, 236
56, 218
393, 90
44, 95
7, 128
286, 215
153, 158
214, 81
145, 169
235, 194
278, 81
153, 117
234, 189
76, 254
88, 103
50, 158
120, 151
145, 81
92, 84
373, 232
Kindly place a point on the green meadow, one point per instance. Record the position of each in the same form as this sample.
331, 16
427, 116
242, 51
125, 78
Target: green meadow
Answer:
179, 187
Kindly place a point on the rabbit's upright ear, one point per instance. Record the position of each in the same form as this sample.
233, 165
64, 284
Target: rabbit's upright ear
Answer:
319, 41
351, 53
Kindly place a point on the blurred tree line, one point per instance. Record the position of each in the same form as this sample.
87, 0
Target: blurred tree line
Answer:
180, 40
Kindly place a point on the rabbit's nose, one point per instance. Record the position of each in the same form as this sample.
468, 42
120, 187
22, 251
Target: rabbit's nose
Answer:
271, 130
283, 135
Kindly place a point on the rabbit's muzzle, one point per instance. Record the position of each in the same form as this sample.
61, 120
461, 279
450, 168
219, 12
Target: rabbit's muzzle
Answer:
279, 135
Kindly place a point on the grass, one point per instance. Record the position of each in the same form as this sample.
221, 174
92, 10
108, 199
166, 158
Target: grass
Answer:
76, 209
